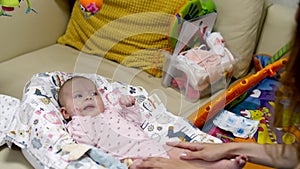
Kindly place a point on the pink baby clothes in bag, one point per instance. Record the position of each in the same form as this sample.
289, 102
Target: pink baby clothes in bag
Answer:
195, 63
205, 70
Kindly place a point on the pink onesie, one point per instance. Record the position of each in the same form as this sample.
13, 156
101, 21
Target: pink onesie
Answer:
116, 132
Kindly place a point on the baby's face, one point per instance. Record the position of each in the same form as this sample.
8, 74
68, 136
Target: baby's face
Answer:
82, 98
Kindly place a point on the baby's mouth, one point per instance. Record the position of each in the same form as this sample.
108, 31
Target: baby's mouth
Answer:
89, 107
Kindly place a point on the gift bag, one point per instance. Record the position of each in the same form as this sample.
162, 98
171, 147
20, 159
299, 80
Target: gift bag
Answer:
200, 70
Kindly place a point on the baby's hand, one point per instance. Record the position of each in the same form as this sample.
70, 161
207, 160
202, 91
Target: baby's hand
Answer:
127, 100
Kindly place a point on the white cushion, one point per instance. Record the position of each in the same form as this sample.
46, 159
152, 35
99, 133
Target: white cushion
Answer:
238, 21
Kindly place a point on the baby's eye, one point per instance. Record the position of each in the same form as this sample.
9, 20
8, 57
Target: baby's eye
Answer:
77, 96
94, 94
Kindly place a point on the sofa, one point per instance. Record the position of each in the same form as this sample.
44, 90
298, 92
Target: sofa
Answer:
50, 41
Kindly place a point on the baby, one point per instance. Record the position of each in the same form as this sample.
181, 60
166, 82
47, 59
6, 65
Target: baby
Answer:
114, 131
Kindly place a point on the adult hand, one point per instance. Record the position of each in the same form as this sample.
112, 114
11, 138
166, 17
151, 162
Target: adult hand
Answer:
204, 151
164, 163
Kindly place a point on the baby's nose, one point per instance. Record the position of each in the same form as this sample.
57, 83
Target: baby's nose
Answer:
88, 97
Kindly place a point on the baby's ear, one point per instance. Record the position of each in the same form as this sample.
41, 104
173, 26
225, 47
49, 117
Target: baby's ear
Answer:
65, 113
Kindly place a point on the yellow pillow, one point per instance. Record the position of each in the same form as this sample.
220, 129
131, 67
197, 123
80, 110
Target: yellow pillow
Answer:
130, 32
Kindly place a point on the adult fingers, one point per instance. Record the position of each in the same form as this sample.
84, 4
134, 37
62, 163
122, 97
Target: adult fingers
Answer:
186, 145
193, 155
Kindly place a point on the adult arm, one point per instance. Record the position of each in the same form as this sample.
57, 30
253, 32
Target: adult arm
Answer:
165, 163
275, 155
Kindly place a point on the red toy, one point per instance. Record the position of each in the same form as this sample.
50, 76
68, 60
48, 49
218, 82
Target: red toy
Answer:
90, 7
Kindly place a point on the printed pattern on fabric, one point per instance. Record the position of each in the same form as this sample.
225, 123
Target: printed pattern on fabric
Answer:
8, 107
128, 139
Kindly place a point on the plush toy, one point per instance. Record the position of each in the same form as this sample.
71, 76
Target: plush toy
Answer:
90, 7
9, 5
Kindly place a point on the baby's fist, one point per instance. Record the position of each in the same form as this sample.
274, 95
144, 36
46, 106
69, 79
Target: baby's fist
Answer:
127, 100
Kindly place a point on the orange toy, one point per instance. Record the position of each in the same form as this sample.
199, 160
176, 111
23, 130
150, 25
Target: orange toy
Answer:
210, 109
90, 7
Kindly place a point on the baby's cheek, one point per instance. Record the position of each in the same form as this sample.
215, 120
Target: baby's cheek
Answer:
77, 110
100, 106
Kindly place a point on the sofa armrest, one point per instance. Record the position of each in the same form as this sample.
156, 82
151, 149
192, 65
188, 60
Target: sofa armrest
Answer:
22, 33
278, 29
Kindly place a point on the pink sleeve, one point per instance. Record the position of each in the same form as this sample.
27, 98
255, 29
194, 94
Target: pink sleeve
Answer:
79, 131
132, 114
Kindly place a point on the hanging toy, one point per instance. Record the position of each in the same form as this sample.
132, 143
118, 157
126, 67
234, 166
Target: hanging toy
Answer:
29, 7
90, 7
9, 5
